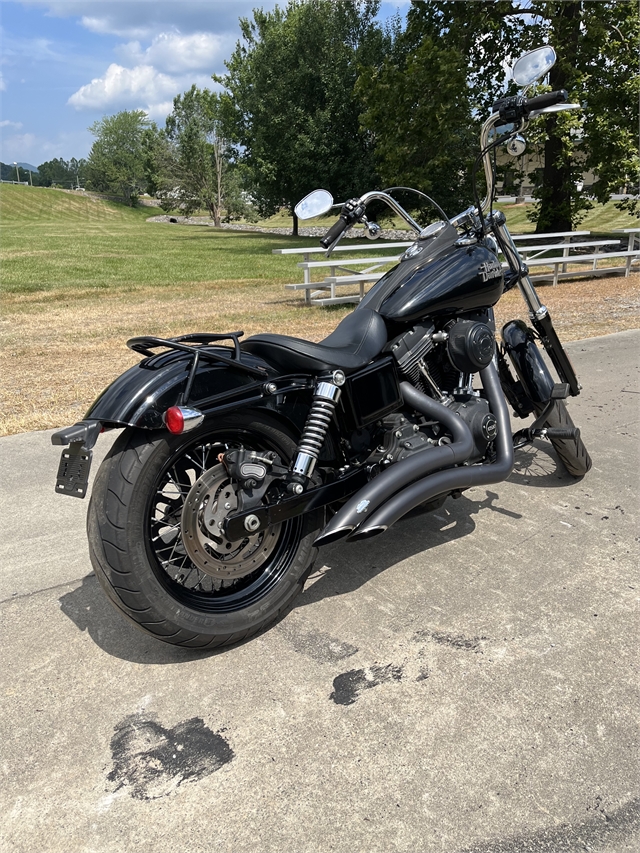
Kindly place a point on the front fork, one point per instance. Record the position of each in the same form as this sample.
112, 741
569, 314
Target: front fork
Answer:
538, 312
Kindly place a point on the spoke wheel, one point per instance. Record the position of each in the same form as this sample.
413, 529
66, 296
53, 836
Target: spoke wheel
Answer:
156, 542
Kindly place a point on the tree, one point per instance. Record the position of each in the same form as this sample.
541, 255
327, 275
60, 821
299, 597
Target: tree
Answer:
598, 65
199, 152
596, 45
290, 107
116, 160
64, 173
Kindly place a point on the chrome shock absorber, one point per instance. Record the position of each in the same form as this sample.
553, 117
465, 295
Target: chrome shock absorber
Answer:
325, 398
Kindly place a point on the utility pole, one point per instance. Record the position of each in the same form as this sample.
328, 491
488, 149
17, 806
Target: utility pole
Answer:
17, 172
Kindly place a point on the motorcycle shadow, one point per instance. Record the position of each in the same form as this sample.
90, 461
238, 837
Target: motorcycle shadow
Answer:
90, 610
346, 567
351, 567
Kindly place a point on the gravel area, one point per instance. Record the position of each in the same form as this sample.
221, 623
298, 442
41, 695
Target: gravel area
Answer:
353, 234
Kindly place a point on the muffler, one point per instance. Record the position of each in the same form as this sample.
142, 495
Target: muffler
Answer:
398, 476
463, 477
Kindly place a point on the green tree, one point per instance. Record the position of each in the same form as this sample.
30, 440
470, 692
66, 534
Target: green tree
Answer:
596, 43
64, 173
199, 153
116, 161
425, 104
597, 47
290, 105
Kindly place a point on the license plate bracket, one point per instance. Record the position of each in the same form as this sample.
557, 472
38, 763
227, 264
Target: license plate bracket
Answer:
73, 471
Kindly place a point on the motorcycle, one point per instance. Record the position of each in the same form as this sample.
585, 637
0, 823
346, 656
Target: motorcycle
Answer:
238, 460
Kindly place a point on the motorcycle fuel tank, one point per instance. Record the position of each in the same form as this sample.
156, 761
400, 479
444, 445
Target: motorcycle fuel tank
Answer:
464, 278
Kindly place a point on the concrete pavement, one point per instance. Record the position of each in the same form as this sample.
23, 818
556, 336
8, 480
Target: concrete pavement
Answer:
466, 682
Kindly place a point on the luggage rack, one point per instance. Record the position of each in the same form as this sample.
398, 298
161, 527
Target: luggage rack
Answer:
197, 345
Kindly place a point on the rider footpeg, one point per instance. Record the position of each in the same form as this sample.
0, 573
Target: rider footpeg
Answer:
559, 432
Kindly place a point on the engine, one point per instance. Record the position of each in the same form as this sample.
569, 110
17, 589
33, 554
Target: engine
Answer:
441, 364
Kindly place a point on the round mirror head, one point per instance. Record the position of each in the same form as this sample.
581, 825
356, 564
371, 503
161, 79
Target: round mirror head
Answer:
314, 204
533, 65
516, 146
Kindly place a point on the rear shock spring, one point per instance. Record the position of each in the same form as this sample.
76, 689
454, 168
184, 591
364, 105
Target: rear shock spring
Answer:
325, 398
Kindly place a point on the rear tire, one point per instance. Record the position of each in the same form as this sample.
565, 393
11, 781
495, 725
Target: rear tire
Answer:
135, 529
572, 452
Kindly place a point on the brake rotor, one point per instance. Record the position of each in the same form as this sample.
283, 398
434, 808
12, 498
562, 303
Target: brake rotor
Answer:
210, 500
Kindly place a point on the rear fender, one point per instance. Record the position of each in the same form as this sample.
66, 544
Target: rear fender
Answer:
141, 395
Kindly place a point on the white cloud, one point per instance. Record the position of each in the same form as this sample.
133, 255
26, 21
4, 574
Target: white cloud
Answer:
159, 112
143, 19
124, 86
35, 148
3, 85
14, 124
18, 147
140, 87
177, 53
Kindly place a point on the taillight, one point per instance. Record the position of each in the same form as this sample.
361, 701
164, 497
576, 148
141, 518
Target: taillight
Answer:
179, 419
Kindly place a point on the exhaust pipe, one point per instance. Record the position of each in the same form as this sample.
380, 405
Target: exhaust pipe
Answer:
458, 478
398, 476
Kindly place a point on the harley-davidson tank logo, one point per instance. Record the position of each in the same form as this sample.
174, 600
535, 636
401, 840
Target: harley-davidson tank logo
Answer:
489, 269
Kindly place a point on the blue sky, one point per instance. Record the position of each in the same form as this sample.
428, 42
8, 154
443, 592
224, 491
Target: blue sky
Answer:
66, 63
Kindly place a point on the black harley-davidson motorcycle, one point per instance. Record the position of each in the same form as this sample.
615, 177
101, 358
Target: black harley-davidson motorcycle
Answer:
237, 461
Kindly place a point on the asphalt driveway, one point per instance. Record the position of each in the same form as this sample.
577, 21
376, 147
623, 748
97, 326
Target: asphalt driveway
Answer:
466, 682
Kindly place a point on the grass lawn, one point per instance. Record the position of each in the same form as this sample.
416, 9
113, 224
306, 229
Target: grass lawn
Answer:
80, 276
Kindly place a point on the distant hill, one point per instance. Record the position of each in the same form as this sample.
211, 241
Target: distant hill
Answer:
8, 170
43, 204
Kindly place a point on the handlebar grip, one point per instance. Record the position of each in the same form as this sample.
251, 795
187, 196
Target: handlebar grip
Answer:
334, 232
547, 100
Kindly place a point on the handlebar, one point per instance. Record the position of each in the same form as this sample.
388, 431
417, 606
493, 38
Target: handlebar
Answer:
354, 209
337, 229
517, 110
549, 99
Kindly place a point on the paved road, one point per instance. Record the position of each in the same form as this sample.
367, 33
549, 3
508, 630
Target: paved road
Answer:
465, 682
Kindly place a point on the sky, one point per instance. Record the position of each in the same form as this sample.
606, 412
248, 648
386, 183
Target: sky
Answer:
66, 63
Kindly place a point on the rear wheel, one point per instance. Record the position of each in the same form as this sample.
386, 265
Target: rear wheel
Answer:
157, 547
572, 452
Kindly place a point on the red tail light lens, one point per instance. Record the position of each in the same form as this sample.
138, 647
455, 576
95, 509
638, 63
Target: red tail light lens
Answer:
174, 420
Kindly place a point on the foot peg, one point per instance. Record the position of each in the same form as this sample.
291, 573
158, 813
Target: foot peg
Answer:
526, 436
558, 432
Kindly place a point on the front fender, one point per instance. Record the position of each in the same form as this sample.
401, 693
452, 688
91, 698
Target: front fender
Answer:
533, 373
142, 394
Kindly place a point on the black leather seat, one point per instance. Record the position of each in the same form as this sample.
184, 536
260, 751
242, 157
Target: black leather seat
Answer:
356, 340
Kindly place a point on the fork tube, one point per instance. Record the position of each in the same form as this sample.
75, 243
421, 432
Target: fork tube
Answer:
536, 309
539, 313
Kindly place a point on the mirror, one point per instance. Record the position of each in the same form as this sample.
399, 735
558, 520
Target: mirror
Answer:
516, 146
314, 204
533, 65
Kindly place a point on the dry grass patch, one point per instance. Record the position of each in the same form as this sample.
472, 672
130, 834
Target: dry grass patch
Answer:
60, 350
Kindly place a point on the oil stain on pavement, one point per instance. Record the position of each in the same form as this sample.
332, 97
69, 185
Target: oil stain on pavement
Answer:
348, 685
151, 761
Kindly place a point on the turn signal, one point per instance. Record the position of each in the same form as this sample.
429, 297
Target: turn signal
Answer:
179, 419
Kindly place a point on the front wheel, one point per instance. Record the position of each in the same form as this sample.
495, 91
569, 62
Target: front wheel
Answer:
157, 548
572, 452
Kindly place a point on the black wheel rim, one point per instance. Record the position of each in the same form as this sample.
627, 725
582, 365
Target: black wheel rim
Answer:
169, 559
